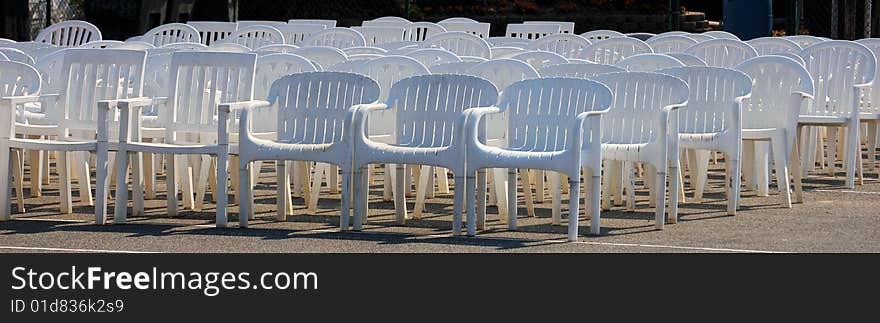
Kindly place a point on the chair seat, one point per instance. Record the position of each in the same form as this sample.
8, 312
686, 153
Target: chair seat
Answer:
506, 157
625, 152
699, 140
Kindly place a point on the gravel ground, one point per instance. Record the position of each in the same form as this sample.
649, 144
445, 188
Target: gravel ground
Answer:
832, 219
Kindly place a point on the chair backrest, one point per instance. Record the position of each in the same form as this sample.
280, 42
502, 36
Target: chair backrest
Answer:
565, 27
612, 50
713, 91
157, 74
69, 33
199, 81
18, 79
601, 34
793, 56
540, 111
649, 62
364, 57
273, 66
336, 37
172, 33
497, 41
720, 34
530, 31
379, 35
670, 43
774, 78
700, 37
388, 70
255, 36
639, 99
670, 33
102, 44
456, 19
539, 59
722, 52
460, 68
228, 47
6, 41
90, 75
34, 49
213, 31
364, 50
688, 59
185, 46
275, 48
295, 34
578, 70
804, 40
773, 45
505, 51
874, 96
16, 55
327, 23
641, 36
393, 19
479, 29
426, 107
248, 23
433, 56
836, 66
567, 45
421, 30
136, 44
322, 56
503, 72
3, 57
462, 44
397, 45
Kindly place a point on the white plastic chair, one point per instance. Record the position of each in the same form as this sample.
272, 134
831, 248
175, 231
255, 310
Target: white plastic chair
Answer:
69, 33
393, 19
841, 71
213, 31
272, 67
379, 35
720, 34
172, 33
327, 23
313, 125
688, 59
649, 62
567, 45
670, 43
670, 33
722, 52
322, 55
578, 70
336, 37
565, 27
870, 112
639, 129
479, 29
256, 36
772, 116
433, 56
419, 31
459, 43
550, 126
19, 83
539, 59
712, 121
531, 31
295, 34
601, 34
612, 50
429, 124
773, 45
196, 108
16, 55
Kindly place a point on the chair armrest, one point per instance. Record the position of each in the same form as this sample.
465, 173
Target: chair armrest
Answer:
470, 120
244, 123
356, 117
671, 107
864, 85
803, 95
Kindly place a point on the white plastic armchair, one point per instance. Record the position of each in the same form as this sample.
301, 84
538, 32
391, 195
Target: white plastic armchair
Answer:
393, 19
722, 52
69, 33
773, 45
16, 55
428, 130
841, 71
459, 43
256, 36
670, 43
213, 31
322, 56
567, 45
578, 70
172, 33
870, 112
612, 50
712, 121
272, 67
336, 37
637, 129
601, 34
19, 84
772, 116
565, 27
193, 110
531, 31
539, 59
433, 56
649, 62
553, 124
456, 19
313, 125
295, 34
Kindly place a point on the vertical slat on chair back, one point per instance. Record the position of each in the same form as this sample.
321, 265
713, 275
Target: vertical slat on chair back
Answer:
311, 106
90, 75
722, 52
836, 66
774, 78
428, 106
670, 43
567, 45
612, 50
712, 94
530, 31
540, 112
578, 70
18, 79
639, 98
419, 31
202, 80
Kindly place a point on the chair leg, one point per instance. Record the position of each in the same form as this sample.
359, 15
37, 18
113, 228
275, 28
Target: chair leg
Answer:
4, 182
442, 181
511, 199
360, 192
674, 188
64, 177
539, 185
102, 167
345, 199
734, 183
470, 203
832, 151
797, 173
616, 176
202, 182
171, 183
780, 160
853, 154
121, 205
244, 203
222, 188
137, 185
321, 170
606, 186
35, 159
422, 191
150, 174
333, 182
650, 178
499, 182
629, 177
595, 210
699, 173
659, 216
282, 197
527, 191
387, 183
18, 173
573, 205
556, 198
872, 145
750, 167
400, 193
186, 181
457, 201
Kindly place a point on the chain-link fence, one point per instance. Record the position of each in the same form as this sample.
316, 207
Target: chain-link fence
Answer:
58, 11
838, 19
